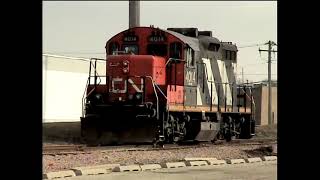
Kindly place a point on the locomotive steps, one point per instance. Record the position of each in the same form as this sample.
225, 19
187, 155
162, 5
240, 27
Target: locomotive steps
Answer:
186, 162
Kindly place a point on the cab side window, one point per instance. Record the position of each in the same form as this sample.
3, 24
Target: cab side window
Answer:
157, 49
230, 55
176, 50
190, 57
113, 48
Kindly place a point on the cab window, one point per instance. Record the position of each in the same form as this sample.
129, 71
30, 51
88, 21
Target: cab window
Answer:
157, 49
113, 48
230, 55
214, 47
176, 50
130, 49
190, 57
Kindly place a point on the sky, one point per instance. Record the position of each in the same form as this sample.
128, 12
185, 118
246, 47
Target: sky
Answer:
82, 28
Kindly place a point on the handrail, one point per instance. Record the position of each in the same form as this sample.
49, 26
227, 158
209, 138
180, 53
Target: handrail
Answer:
161, 92
235, 85
95, 70
154, 89
85, 91
247, 93
170, 59
253, 103
96, 74
98, 59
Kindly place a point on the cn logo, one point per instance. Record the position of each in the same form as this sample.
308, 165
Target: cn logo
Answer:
125, 89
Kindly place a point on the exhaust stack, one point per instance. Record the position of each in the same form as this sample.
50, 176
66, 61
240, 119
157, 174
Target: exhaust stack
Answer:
134, 14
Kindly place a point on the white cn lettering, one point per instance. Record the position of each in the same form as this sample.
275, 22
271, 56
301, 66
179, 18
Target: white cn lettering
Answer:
135, 86
114, 80
117, 80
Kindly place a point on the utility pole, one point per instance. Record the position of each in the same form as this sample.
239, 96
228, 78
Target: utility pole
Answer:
270, 44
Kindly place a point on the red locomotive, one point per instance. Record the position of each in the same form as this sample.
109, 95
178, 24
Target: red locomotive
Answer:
166, 86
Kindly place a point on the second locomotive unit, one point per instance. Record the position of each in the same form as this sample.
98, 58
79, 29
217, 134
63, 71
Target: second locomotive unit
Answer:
166, 86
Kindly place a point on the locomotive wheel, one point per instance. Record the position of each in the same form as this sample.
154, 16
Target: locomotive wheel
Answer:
171, 129
214, 140
157, 144
241, 128
171, 136
228, 134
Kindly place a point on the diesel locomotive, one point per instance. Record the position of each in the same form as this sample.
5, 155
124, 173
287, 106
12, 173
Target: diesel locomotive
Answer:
166, 86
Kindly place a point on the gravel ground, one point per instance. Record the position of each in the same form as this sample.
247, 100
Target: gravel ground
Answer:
61, 162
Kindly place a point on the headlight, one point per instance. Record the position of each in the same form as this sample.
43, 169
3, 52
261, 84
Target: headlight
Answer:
130, 97
138, 96
125, 70
98, 96
125, 63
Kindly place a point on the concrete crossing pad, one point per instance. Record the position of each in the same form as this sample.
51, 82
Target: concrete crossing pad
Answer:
173, 165
127, 168
269, 158
253, 160
235, 161
59, 174
147, 167
216, 162
196, 163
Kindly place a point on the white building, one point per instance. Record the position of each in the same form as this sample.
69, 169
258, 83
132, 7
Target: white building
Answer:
63, 84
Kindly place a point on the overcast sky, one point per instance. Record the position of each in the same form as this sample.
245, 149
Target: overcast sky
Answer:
81, 28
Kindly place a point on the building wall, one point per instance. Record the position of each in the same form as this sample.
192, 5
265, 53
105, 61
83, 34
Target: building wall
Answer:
257, 100
63, 84
260, 94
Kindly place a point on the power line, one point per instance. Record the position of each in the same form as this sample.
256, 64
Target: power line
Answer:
259, 74
263, 81
75, 53
253, 64
252, 45
72, 58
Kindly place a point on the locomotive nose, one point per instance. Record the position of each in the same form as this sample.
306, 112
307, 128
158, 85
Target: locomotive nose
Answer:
129, 77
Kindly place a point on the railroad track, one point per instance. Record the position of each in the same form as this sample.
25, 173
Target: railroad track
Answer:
244, 142
82, 149
65, 150
60, 148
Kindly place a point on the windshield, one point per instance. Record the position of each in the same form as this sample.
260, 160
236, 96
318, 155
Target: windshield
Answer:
132, 49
